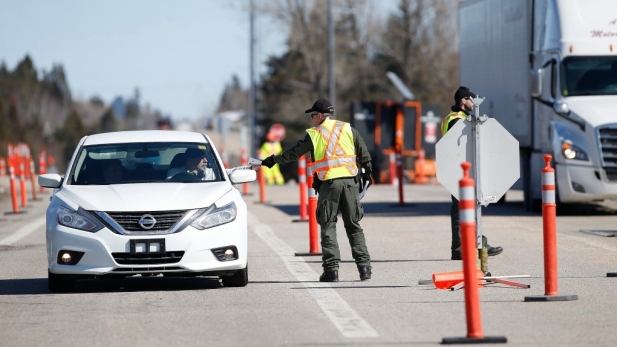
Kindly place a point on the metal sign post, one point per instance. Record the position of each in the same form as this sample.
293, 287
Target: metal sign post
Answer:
475, 164
494, 154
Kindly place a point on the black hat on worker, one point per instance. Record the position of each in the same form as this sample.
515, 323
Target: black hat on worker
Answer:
463, 92
321, 106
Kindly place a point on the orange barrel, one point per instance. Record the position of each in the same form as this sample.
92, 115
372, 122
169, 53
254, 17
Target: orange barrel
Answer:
12, 163
392, 168
467, 225
399, 175
244, 161
2, 167
420, 177
303, 188
312, 211
549, 226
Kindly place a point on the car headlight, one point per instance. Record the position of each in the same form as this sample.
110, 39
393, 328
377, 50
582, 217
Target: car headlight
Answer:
213, 216
77, 219
573, 152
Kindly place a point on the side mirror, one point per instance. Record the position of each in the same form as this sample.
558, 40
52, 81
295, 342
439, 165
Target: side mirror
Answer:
536, 82
561, 107
242, 176
50, 180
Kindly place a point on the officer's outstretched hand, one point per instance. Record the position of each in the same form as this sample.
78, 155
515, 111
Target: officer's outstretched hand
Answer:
268, 162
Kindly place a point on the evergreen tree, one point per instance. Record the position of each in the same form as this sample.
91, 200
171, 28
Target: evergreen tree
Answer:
108, 122
234, 97
15, 119
69, 135
6, 135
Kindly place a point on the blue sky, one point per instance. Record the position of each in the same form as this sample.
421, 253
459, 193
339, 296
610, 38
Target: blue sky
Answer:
180, 54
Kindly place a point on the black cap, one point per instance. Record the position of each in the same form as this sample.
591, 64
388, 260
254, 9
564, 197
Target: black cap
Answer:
463, 92
321, 106
195, 153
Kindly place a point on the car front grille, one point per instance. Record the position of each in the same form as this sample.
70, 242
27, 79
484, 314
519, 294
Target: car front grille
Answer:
152, 268
608, 148
129, 221
147, 259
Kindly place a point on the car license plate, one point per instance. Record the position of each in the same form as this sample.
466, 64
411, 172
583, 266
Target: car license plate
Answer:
147, 246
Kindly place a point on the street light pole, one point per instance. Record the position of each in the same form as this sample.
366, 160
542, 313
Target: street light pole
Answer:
251, 109
331, 84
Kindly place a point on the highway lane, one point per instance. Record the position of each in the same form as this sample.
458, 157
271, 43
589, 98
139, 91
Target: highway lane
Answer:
284, 304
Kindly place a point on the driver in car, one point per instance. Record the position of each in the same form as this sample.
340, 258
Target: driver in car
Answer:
195, 164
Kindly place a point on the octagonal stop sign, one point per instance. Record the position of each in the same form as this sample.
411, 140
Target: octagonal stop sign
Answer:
498, 159
278, 131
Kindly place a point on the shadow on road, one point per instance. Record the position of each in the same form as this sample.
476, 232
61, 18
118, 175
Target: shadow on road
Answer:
38, 286
426, 209
381, 261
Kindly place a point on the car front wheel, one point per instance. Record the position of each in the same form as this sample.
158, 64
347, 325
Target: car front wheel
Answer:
239, 279
60, 283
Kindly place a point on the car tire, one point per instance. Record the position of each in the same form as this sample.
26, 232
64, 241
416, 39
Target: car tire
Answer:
238, 279
60, 283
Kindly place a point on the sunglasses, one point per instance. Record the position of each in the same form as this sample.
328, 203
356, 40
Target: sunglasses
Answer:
314, 114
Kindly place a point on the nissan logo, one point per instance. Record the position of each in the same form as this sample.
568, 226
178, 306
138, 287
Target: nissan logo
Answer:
147, 221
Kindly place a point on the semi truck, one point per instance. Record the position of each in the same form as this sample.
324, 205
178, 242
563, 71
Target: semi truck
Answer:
548, 70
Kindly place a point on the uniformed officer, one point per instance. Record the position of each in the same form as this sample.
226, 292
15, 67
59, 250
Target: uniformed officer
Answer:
337, 149
463, 105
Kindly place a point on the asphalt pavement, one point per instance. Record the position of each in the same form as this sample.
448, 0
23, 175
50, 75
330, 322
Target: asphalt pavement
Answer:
284, 304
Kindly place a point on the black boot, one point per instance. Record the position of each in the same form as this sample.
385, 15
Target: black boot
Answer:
365, 272
493, 251
329, 276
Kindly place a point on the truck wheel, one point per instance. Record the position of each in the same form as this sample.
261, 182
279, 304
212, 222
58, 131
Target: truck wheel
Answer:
60, 283
238, 279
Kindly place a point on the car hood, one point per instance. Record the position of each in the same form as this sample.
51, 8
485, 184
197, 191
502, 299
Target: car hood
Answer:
596, 110
146, 196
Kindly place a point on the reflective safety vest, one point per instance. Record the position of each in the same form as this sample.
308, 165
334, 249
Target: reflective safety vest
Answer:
335, 154
269, 148
450, 117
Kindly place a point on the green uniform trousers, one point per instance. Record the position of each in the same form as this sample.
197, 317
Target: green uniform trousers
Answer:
341, 195
456, 234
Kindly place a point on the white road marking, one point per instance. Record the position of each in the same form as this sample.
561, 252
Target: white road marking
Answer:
23, 232
346, 320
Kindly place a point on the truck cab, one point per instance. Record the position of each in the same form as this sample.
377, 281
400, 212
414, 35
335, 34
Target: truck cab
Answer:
554, 88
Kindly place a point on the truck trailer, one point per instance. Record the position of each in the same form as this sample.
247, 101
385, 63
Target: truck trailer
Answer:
548, 70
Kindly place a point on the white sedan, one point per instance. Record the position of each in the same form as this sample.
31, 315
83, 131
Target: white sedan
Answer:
133, 202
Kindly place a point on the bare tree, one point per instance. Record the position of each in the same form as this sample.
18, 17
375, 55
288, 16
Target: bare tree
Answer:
418, 42
306, 60
420, 45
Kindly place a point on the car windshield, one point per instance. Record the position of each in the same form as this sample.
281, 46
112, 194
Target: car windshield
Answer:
145, 163
589, 76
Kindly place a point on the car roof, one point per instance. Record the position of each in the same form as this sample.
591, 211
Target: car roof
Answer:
145, 136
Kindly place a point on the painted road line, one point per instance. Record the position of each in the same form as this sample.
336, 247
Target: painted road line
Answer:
23, 232
346, 320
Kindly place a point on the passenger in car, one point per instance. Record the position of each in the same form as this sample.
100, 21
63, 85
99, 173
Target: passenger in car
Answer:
196, 164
